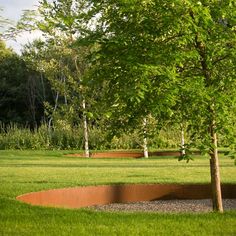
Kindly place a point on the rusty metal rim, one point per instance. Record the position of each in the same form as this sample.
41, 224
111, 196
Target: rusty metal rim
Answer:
129, 154
77, 197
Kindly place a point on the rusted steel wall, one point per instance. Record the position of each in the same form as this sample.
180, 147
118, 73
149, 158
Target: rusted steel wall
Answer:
125, 154
100, 195
117, 154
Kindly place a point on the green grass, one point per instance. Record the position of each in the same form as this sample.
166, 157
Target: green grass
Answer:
27, 171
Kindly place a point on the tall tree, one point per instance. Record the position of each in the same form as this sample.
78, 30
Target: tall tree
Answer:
60, 22
147, 46
138, 81
206, 59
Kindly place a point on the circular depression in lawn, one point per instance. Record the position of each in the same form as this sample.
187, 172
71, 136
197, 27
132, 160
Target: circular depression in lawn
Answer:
88, 196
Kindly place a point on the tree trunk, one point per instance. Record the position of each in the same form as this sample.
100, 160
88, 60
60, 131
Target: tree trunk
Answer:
215, 173
86, 139
65, 95
81, 71
43, 86
214, 162
31, 101
43, 96
145, 146
54, 109
182, 141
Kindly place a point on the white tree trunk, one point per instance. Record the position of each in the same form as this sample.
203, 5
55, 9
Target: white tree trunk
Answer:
86, 139
145, 145
182, 141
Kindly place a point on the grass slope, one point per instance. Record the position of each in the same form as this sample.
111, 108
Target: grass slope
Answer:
27, 171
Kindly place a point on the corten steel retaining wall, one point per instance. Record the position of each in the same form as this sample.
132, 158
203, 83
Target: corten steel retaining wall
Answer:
125, 154
100, 195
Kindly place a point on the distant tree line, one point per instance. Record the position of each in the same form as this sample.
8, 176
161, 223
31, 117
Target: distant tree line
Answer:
21, 92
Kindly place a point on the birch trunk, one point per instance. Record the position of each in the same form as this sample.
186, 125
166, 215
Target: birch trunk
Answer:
215, 173
81, 71
145, 145
182, 141
85, 124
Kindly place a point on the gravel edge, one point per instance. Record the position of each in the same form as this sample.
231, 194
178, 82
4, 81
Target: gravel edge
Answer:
166, 206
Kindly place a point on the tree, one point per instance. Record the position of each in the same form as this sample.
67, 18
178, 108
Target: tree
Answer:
128, 63
4, 22
147, 47
18, 101
20, 97
32, 54
60, 27
210, 44
204, 49
60, 22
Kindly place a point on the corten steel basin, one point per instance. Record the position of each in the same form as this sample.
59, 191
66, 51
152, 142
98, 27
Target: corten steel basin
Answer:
100, 195
116, 154
126, 154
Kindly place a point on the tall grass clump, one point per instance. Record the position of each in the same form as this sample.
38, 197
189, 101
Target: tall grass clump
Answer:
13, 136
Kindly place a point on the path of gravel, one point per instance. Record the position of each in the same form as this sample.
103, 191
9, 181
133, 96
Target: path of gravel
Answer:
166, 206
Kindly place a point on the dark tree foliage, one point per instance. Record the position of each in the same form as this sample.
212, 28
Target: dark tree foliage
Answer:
19, 100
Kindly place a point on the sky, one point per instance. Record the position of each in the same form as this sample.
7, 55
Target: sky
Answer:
12, 10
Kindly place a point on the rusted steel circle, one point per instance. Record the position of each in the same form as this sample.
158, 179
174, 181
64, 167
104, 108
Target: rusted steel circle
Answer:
100, 195
127, 154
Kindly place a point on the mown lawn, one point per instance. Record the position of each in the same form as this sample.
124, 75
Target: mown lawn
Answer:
28, 171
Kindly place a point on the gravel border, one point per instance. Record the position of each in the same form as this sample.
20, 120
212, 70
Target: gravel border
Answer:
166, 206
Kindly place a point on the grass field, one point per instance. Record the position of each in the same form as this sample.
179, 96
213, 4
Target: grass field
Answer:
28, 171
